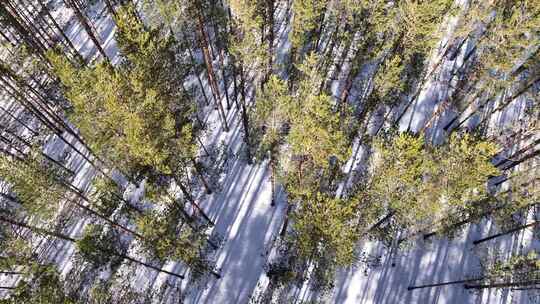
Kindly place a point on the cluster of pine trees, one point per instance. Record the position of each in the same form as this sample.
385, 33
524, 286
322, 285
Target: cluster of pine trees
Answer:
312, 83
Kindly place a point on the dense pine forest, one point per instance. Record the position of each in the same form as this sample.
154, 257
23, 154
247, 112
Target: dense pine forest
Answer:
269, 151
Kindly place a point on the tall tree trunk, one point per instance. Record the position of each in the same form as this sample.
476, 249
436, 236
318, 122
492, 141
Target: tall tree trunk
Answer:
337, 67
234, 71
271, 34
197, 168
194, 64
190, 199
36, 229
506, 232
97, 214
24, 15
516, 153
61, 31
29, 145
110, 8
220, 45
82, 19
27, 37
22, 123
285, 221
7, 39
40, 109
70, 239
272, 164
245, 121
203, 39
127, 257
383, 220
443, 284
502, 285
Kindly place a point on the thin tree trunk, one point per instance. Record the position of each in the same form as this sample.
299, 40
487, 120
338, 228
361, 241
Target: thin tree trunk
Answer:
23, 15
225, 81
110, 8
99, 215
463, 222
271, 9
29, 145
285, 221
506, 232
194, 64
329, 60
381, 221
272, 179
82, 19
127, 257
501, 285
234, 72
245, 122
26, 36
443, 284
192, 201
12, 221
518, 152
209, 68
7, 39
70, 239
50, 120
523, 159
220, 49
201, 176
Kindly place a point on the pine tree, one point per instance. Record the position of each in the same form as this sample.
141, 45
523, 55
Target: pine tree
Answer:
503, 53
98, 248
520, 270
89, 30
305, 28
322, 230
132, 113
325, 227
41, 188
271, 114
42, 285
420, 184
165, 239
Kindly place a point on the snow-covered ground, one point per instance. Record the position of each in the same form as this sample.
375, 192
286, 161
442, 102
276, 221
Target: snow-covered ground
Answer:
247, 225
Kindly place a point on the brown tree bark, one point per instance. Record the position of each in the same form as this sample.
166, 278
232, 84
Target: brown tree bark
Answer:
70, 239
204, 42
443, 284
84, 22
245, 119
506, 232
502, 285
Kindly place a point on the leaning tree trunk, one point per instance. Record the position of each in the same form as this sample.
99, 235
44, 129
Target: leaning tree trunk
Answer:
272, 165
270, 18
245, 121
72, 240
11, 221
110, 8
203, 40
190, 199
68, 41
82, 19
502, 285
506, 232
443, 284
201, 176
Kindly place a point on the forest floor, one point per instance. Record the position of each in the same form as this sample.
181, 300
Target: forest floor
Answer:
247, 225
